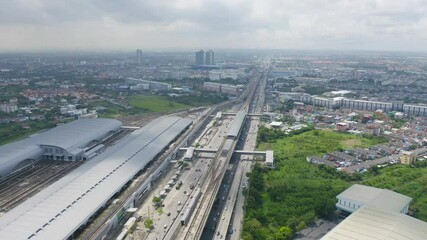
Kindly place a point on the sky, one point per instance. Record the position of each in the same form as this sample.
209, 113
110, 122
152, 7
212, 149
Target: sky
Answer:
378, 25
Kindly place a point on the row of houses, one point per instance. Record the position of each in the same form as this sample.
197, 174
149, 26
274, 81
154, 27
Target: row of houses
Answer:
363, 105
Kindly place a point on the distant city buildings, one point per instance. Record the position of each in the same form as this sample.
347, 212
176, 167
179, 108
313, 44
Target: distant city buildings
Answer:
200, 57
222, 88
210, 57
215, 75
10, 107
363, 105
138, 56
205, 59
141, 84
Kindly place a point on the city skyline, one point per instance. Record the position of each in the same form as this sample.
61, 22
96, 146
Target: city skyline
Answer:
310, 25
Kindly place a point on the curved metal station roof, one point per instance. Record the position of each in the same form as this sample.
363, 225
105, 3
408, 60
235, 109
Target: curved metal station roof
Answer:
69, 136
236, 124
59, 210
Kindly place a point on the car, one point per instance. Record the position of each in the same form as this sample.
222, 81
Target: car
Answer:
179, 203
165, 226
168, 214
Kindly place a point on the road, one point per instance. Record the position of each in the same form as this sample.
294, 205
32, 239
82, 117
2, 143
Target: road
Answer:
168, 220
226, 218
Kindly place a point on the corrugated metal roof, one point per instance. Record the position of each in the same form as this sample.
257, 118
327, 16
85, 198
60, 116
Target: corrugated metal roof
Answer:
68, 136
375, 197
59, 210
370, 223
237, 124
77, 134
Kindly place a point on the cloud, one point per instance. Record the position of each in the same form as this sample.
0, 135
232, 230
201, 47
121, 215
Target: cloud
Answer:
287, 24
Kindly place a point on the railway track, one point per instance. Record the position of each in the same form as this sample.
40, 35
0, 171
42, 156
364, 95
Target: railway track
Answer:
209, 196
35, 182
95, 229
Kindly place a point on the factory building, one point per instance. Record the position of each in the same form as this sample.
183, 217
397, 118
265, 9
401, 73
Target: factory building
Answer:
66, 142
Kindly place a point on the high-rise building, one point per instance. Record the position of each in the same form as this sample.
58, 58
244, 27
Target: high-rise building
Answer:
200, 58
139, 56
210, 57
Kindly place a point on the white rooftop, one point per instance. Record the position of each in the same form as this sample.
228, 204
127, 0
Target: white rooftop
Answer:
269, 156
60, 209
376, 197
371, 223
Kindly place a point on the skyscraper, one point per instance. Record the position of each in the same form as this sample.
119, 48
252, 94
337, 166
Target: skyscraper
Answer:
139, 56
200, 57
210, 57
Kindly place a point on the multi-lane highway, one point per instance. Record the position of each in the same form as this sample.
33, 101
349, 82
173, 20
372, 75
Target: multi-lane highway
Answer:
218, 176
226, 221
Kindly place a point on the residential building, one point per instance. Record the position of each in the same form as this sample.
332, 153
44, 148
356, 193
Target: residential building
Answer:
210, 57
408, 157
200, 58
139, 56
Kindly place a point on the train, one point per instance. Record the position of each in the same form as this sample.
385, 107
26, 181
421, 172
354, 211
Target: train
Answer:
191, 206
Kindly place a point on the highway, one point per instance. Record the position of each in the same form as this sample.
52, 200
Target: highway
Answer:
228, 218
197, 172
209, 172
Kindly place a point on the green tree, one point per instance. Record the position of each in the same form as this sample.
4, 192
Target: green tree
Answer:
286, 232
148, 223
156, 199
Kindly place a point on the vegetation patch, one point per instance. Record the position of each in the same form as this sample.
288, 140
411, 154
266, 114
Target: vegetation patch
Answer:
153, 103
283, 201
149, 223
15, 131
404, 179
350, 143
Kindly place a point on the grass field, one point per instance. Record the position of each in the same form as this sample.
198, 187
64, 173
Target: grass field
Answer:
112, 110
15, 131
297, 192
406, 180
316, 142
155, 103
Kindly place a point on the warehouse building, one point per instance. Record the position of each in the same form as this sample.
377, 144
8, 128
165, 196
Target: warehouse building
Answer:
358, 195
376, 214
59, 210
66, 142
377, 224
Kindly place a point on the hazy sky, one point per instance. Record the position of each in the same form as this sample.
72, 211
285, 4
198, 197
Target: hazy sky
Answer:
192, 24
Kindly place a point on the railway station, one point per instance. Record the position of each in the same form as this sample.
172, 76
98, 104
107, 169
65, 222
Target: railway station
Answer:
61, 209
66, 142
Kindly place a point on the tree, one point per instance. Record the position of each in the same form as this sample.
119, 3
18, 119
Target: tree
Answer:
149, 223
286, 232
156, 200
